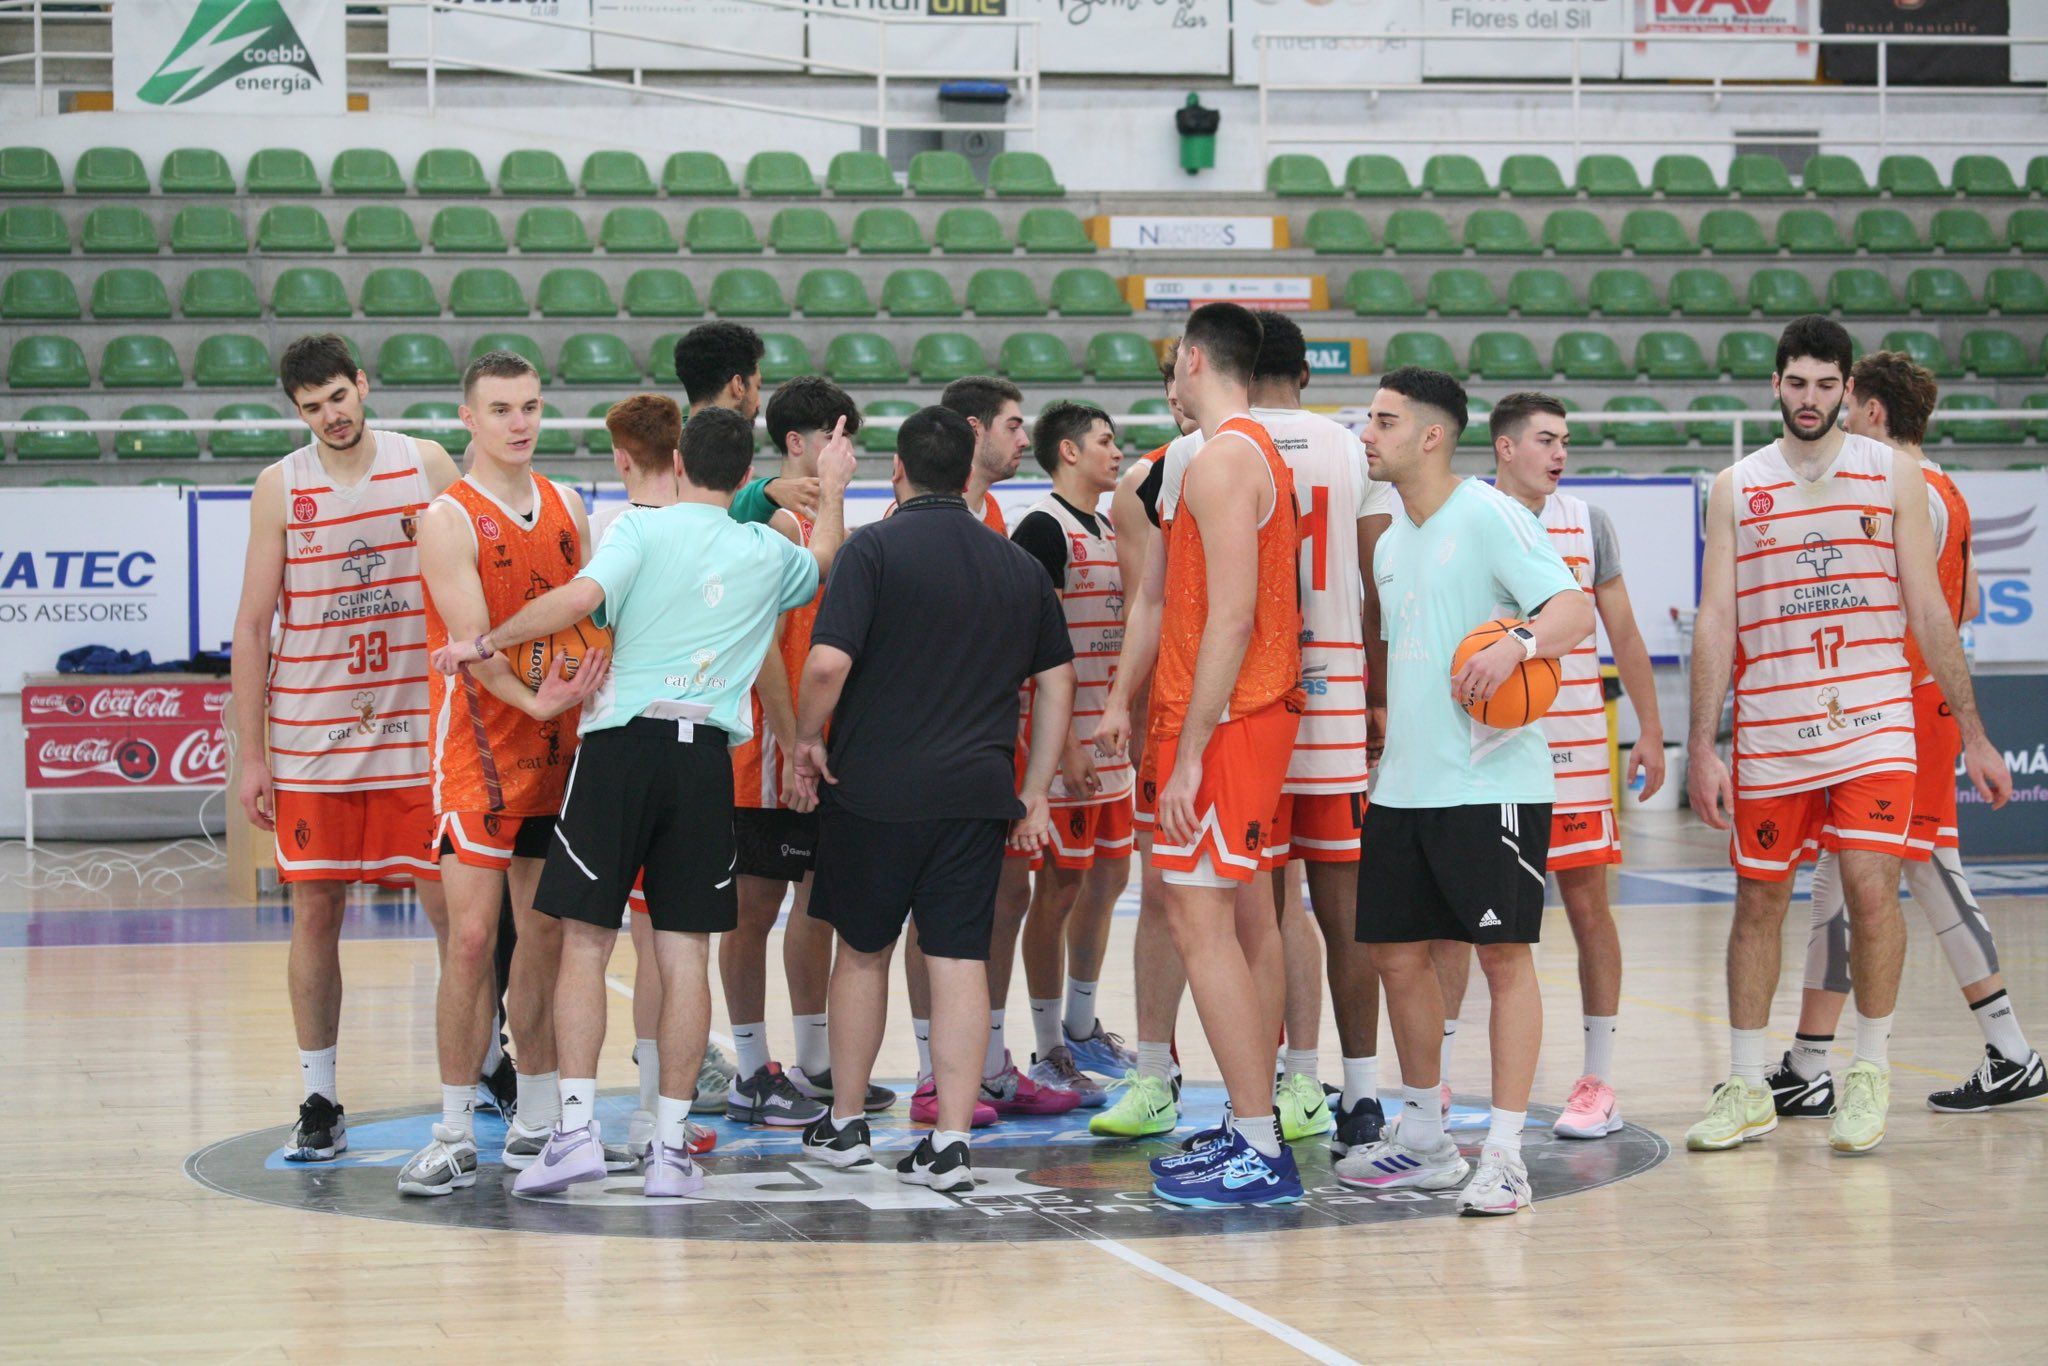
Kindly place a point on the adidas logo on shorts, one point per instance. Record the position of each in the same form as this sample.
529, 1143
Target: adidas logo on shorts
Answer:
1489, 920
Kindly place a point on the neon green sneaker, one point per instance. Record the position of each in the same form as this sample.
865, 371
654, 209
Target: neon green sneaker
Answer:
1146, 1108
1304, 1110
1859, 1111
1738, 1113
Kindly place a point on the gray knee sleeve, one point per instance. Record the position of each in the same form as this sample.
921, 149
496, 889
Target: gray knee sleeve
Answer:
1827, 946
1951, 908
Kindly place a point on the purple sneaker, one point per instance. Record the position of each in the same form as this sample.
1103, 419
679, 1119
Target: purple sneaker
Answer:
569, 1157
672, 1172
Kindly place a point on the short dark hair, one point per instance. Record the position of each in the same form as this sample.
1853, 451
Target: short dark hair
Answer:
1228, 335
936, 447
647, 427
711, 355
980, 397
1433, 388
309, 362
1906, 388
718, 449
808, 403
496, 365
1283, 351
1510, 413
1168, 353
1823, 339
1063, 421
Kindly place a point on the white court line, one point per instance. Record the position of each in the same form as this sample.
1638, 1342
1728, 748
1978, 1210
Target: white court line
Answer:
616, 985
1301, 1342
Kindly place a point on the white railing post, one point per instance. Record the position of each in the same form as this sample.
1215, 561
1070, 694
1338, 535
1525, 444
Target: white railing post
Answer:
430, 51
1265, 125
1884, 63
882, 89
1735, 455
1578, 149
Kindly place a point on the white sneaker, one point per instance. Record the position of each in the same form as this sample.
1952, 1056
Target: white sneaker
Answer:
1392, 1164
640, 1135
1500, 1186
445, 1165
523, 1145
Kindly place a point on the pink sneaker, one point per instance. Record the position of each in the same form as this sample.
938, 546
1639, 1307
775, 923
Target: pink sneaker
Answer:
1013, 1093
924, 1106
1590, 1112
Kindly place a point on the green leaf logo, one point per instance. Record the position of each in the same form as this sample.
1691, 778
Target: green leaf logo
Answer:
227, 39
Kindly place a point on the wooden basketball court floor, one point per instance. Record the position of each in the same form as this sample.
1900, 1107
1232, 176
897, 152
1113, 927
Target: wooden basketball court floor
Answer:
139, 1029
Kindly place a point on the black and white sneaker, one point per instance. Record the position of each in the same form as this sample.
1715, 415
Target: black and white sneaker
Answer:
1798, 1098
942, 1171
846, 1145
1363, 1125
819, 1087
499, 1090
321, 1134
1997, 1081
769, 1097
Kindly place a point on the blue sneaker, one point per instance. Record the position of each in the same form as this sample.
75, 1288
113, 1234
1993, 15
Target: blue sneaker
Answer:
1200, 1148
1101, 1051
1241, 1175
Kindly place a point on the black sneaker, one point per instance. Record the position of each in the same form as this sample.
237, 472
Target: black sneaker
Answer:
321, 1133
499, 1090
819, 1087
1363, 1125
942, 1171
1997, 1081
847, 1145
1798, 1098
768, 1097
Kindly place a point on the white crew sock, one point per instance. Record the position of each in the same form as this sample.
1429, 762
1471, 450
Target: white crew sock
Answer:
540, 1100
458, 1107
1155, 1060
1450, 1047
1078, 1018
1874, 1039
750, 1044
647, 1057
1361, 1080
1747, 1053
994, 1060
1422, 1117
316, 1071
1506, 1129
672, 1121
813, 1045
1600, 1044
921, 1030
1810, 1054
579, 1102
1994, 1016
1045, 1025
1300, 1062
943, 1139
1261, 1131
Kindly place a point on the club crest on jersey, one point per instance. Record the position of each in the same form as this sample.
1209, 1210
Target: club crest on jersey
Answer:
409, 523
1252, 841
1818, 554
304, 509
302, 834
362, 560
1869, 522
1761, 503
1077, 823
488, 527
1767, 834
566, 543
713, 590
491, 824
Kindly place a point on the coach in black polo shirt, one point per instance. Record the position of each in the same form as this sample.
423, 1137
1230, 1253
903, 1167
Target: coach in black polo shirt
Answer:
928, 628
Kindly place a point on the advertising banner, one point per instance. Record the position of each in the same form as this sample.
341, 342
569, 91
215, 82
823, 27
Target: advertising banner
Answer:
1349, 56
1159, 232
1930, 65
487, 31
93, 733
1179, 293
1520, 59
1345, 357
1652, 61
1139, 37
230, 56
2009, 536
2015, 711
776, 33
945, 41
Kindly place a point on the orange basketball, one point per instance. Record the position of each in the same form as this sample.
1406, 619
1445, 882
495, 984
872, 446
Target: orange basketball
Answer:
535, 660
1523, 695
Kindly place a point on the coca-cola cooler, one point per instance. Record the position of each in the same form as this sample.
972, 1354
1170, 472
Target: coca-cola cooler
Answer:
88, 734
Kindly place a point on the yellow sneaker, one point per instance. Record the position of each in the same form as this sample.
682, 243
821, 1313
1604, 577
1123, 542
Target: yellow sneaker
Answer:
1304, 1110
1859, 1113
1738, 1113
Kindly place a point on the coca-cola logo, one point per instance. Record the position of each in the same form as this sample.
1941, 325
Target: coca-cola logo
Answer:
137, 704
304, 508
201, 757
56, 704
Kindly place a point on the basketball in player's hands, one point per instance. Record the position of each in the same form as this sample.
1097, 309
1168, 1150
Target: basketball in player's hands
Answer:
535, 660
1524, 695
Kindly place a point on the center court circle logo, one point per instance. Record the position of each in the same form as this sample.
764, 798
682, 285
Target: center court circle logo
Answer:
1039, 1179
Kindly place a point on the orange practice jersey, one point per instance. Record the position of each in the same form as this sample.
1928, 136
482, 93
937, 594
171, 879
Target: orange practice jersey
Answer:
1952, 554
757, 765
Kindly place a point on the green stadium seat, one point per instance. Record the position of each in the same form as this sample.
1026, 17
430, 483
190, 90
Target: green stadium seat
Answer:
1782, 293
57, 445
782, 175
33, 229
942, 357
1989, 353
29, 170
1714, 433
486, 292
1420, 230
467, 228
1478, 434
232, 360
698, 175
398, 292
598, 440
416, 358
220, 292
616, 174
281, 170
297, 228
720, 229
451, 434
971, 232
1146, 436
888, 232
1733, 232
139, 362
863, 358
875, 438
38, 295
1589, 355
1052, 230
365, 171
596, 358
805, 230
661, 357
551, 229
1986, 177
1463, 294
2014, 291
1972, 431
1747, 355
1085, 292
1656, 232
1375, 175
195, 170
1835, 177
1640, 433
272, 444
745, 292
636, 230
2038, 429
117, 229
1672, 355
1506, 355
1910, 177
2026, 230
450, 172
1756, 176
308, 292
919, 293
861, 175
1121, 358
1022, 175
156, 443
1381, 293
1426, 349
381, 228
1960, 230
1609, 177
130, 293
1884, 232
1037, 358
1529, 175
554, 439
1679, 175
208, 229
660, 292
1544, 294
1924, 347
47, 363
1452, 173
833, 293
1939, 290
1499, 232
1810, 231
109, 170
1625, 294
943, 175
522, 344
1577, 232
1859, 292
574, 292
1339, 232
1000, 292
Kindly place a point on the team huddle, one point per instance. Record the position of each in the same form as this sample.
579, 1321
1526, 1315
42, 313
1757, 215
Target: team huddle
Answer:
712, 699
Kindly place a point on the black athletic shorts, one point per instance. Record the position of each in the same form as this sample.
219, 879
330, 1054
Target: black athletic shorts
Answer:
1471, 873
871, 874
773, 843
644, 800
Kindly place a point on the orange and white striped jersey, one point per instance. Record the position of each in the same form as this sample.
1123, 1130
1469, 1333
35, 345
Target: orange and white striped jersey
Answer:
1822, 689
1093, 599
991, 515
488, 756
1576, 724
1951, 555
757, 764
348, 661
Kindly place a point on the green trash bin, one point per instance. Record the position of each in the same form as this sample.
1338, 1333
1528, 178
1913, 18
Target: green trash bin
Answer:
1197, 128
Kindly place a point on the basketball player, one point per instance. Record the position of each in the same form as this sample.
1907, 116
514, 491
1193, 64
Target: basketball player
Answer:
497, 538
1819, 557
1456, 835
1890, 400
719, 366
680, 583
330, 726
